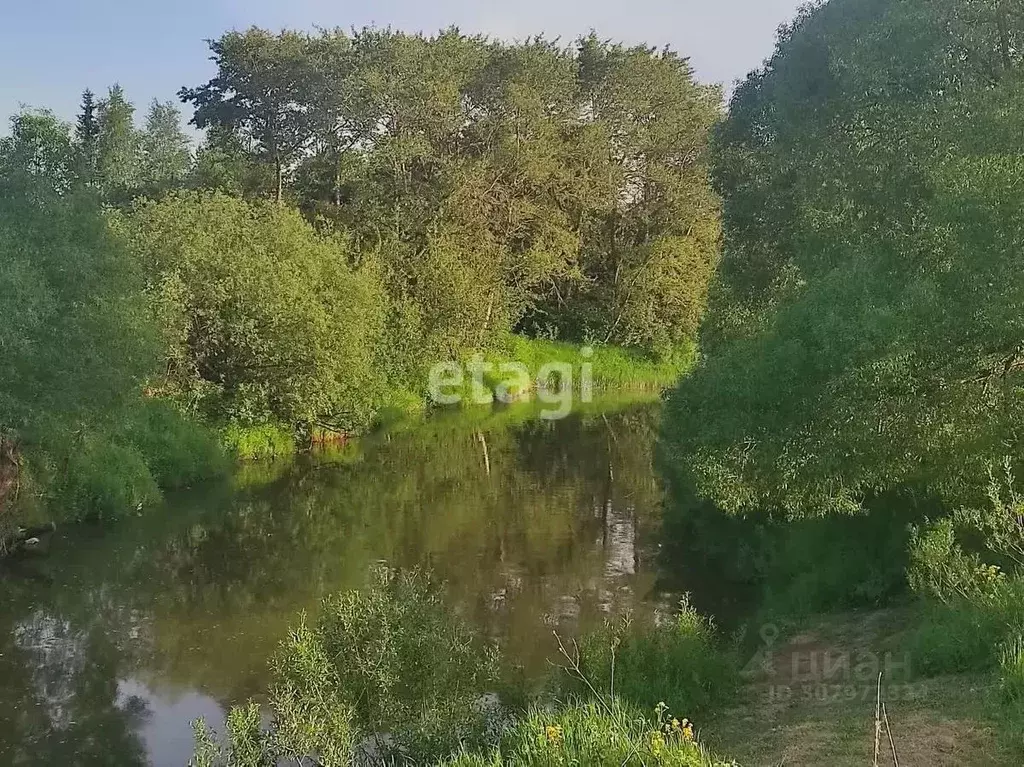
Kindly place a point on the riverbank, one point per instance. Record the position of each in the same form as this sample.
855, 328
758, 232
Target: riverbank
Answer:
575, 377
840, 690
159, 450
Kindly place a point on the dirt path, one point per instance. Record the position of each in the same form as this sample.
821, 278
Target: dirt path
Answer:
810, 699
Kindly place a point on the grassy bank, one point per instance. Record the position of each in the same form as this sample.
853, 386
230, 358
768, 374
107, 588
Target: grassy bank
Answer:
808, 707
126, 468
614, 377
680, 693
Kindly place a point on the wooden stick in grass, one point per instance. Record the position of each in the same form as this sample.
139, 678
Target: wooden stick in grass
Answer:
878, 718
892, 743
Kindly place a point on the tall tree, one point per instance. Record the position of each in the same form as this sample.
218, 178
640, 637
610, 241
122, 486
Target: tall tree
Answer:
866, 336
532, 186
261, 93
87, 131
165, 150
74, 332
118, 155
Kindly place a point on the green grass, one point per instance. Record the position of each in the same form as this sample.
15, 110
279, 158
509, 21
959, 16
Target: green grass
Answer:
1011, 669
620, 378
614, 367
561, 376
267, 441
680, 663
610, 735
178, 451
119, 470
810, 718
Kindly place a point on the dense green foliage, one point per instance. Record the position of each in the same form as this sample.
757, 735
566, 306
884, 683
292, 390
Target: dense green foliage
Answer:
363, 207
78, 343
862, 349
679, 664
264, 321
865, 334
388, 664
562, 191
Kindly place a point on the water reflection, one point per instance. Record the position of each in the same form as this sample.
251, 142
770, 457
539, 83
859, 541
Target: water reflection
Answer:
111, 644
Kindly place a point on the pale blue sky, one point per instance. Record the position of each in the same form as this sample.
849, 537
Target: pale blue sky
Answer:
50, 50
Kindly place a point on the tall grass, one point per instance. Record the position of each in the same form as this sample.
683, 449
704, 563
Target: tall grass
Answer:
596, 736
262, 442
614, 367
679, 664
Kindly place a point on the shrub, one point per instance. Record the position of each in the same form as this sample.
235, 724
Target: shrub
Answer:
678, 663
178, 451
264, 320
388, 666
975, 608
405, 664
102, 480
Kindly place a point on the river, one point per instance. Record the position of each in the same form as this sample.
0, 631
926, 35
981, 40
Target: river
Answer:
116, 638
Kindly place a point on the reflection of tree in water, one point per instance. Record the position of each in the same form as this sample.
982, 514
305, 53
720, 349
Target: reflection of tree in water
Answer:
735, 566
515, 519
533, 526
59, 700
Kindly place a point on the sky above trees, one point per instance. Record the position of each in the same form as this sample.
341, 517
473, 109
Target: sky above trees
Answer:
50, 51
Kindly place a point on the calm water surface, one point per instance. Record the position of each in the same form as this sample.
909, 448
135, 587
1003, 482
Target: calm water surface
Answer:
116, 638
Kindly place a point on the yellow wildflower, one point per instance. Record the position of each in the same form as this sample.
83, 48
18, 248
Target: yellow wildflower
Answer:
687, 730
657, 743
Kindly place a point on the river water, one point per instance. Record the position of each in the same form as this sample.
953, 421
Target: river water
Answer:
116, 638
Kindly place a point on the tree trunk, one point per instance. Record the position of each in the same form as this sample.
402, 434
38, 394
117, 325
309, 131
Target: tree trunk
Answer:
279, 167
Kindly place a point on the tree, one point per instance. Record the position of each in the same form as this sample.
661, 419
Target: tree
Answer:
653, 245
865, 337
259, 94
530, 186
39, 157
165, 150
118, 158
76, 339
87, 130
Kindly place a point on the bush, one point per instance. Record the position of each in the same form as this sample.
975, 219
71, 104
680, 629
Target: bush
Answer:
179, 452
405, 664
99, 479
955, 638
264, 320
975, 608
388, 666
